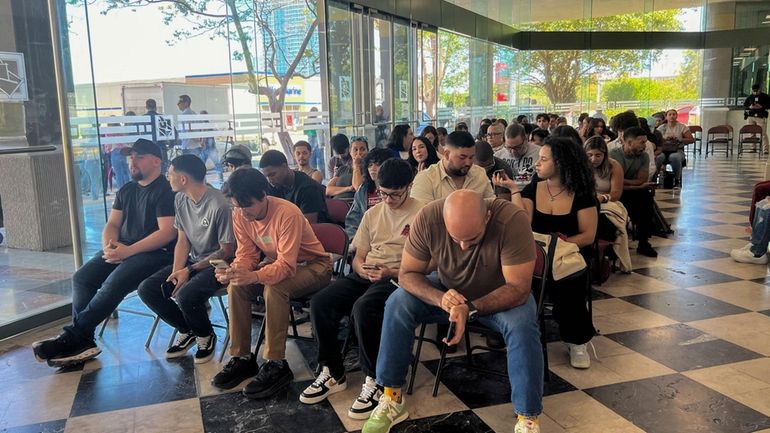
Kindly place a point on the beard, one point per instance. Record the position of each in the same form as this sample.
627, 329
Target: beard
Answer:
453, 171
137, 175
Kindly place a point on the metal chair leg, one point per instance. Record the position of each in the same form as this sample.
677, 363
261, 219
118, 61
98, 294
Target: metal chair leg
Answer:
416, 359
441, 363
152, 331
260, 336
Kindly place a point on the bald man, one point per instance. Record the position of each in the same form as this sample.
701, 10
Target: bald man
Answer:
485, 254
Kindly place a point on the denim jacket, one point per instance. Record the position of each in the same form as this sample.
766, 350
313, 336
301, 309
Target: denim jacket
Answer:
356, 212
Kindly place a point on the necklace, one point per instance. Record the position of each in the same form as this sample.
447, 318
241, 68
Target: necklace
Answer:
553, 196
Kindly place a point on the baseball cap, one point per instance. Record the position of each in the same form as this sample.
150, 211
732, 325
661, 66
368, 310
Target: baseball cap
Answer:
142, 147
238, 152
484, 154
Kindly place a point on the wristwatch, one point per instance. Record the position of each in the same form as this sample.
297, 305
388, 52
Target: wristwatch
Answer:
190, 269
472, 311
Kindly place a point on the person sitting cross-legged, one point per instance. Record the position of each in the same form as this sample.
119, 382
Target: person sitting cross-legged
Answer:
379, 241
136, 242
295, 265
205, 232
485, 254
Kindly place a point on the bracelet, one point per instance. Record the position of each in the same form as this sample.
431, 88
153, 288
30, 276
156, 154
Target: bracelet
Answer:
515, 192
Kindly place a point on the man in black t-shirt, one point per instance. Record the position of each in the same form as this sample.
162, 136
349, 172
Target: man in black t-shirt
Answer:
294, 186
756, 106
137, 241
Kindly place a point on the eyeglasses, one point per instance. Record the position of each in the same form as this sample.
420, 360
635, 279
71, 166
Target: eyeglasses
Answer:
359, 138
391, 195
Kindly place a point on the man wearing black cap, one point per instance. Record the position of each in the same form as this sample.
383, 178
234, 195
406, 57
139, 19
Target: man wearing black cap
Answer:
756, 110
136, 242
236, 157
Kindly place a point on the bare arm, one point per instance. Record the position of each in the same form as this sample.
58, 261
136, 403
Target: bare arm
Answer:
641, 180
358, 177
332, 189
616, 182
181, 251
412, 278
687, 137
111, 230
588, 219
515, 291
226, 251
317, 176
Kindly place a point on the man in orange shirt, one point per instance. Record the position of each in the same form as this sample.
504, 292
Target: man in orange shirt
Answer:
294, 265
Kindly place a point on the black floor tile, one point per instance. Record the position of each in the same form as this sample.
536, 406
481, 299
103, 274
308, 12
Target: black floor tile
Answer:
684, 275
43, 427
480, 389
457, 422
597, 294
682, 348
766, 312
674, 403
133, 385
763, 280
684, 305
283, 413
689, 253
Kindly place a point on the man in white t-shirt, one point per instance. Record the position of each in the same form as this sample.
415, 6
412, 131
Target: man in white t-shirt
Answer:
362, 294
518, 152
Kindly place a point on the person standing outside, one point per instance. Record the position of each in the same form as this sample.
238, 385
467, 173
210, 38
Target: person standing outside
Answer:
189, 145
756, 106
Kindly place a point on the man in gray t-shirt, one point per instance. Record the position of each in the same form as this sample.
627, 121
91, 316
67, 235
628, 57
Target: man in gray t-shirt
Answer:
178, 293
519, 153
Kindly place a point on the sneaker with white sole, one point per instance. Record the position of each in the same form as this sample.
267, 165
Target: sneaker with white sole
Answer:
323, 386
578, 356
742, 255
527, 425
365, 403
183, 343
386, 415
206, 347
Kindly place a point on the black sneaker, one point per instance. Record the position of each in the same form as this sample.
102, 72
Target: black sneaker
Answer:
273, 376
646, 249
50, 348
236, 371
183, 343
73, 351
206, 346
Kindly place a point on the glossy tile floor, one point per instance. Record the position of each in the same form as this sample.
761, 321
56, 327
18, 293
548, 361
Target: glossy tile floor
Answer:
684, 347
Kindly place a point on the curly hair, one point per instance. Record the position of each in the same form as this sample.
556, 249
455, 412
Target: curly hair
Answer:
376, 156
575, 172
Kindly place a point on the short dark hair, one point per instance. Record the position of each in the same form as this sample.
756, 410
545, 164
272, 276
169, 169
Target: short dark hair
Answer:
540, 132
521, 117
567, 131
150, 104
244, 185
542, 116
755, 87
190, 165
272, 158
515, 130
186, 99
340, 143
460, 139
395, 174
302, 143
442, 131
624, 121
633, 132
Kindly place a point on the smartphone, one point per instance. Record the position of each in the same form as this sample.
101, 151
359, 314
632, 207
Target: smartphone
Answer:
501, 172
167, 288
219, 263
451, 332
369, 267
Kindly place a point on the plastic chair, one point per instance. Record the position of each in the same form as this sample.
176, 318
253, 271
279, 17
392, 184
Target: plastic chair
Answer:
540, 277
719, 135
750, 134
338, 210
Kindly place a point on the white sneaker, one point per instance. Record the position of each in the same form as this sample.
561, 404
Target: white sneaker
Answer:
366, 401
578, 356
746, 256
527, 425
324, 386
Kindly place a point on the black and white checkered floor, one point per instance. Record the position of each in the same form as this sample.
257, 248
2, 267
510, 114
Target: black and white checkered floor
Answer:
684, 347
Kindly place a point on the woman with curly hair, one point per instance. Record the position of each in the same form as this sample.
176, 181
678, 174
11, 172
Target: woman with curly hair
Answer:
367, 195
422, 154
563, 201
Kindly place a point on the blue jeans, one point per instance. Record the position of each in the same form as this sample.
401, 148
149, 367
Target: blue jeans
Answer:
760, 232
316, 157
98, 287
211, 152
196, 152
119, 168
673, 158
519, 327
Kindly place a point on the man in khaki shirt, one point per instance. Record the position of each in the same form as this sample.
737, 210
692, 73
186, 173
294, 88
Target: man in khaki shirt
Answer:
455, 171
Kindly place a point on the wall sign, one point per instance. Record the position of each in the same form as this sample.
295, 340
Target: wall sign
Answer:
13, 80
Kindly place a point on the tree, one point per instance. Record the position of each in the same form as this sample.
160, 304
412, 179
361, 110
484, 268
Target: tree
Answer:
234, 23
453, 69
560, 73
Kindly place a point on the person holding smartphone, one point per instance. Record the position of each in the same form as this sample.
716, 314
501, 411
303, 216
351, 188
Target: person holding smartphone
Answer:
178, 293
379, 241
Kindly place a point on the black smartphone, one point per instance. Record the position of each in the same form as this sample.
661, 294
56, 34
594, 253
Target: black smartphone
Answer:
451, 331
167, 288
